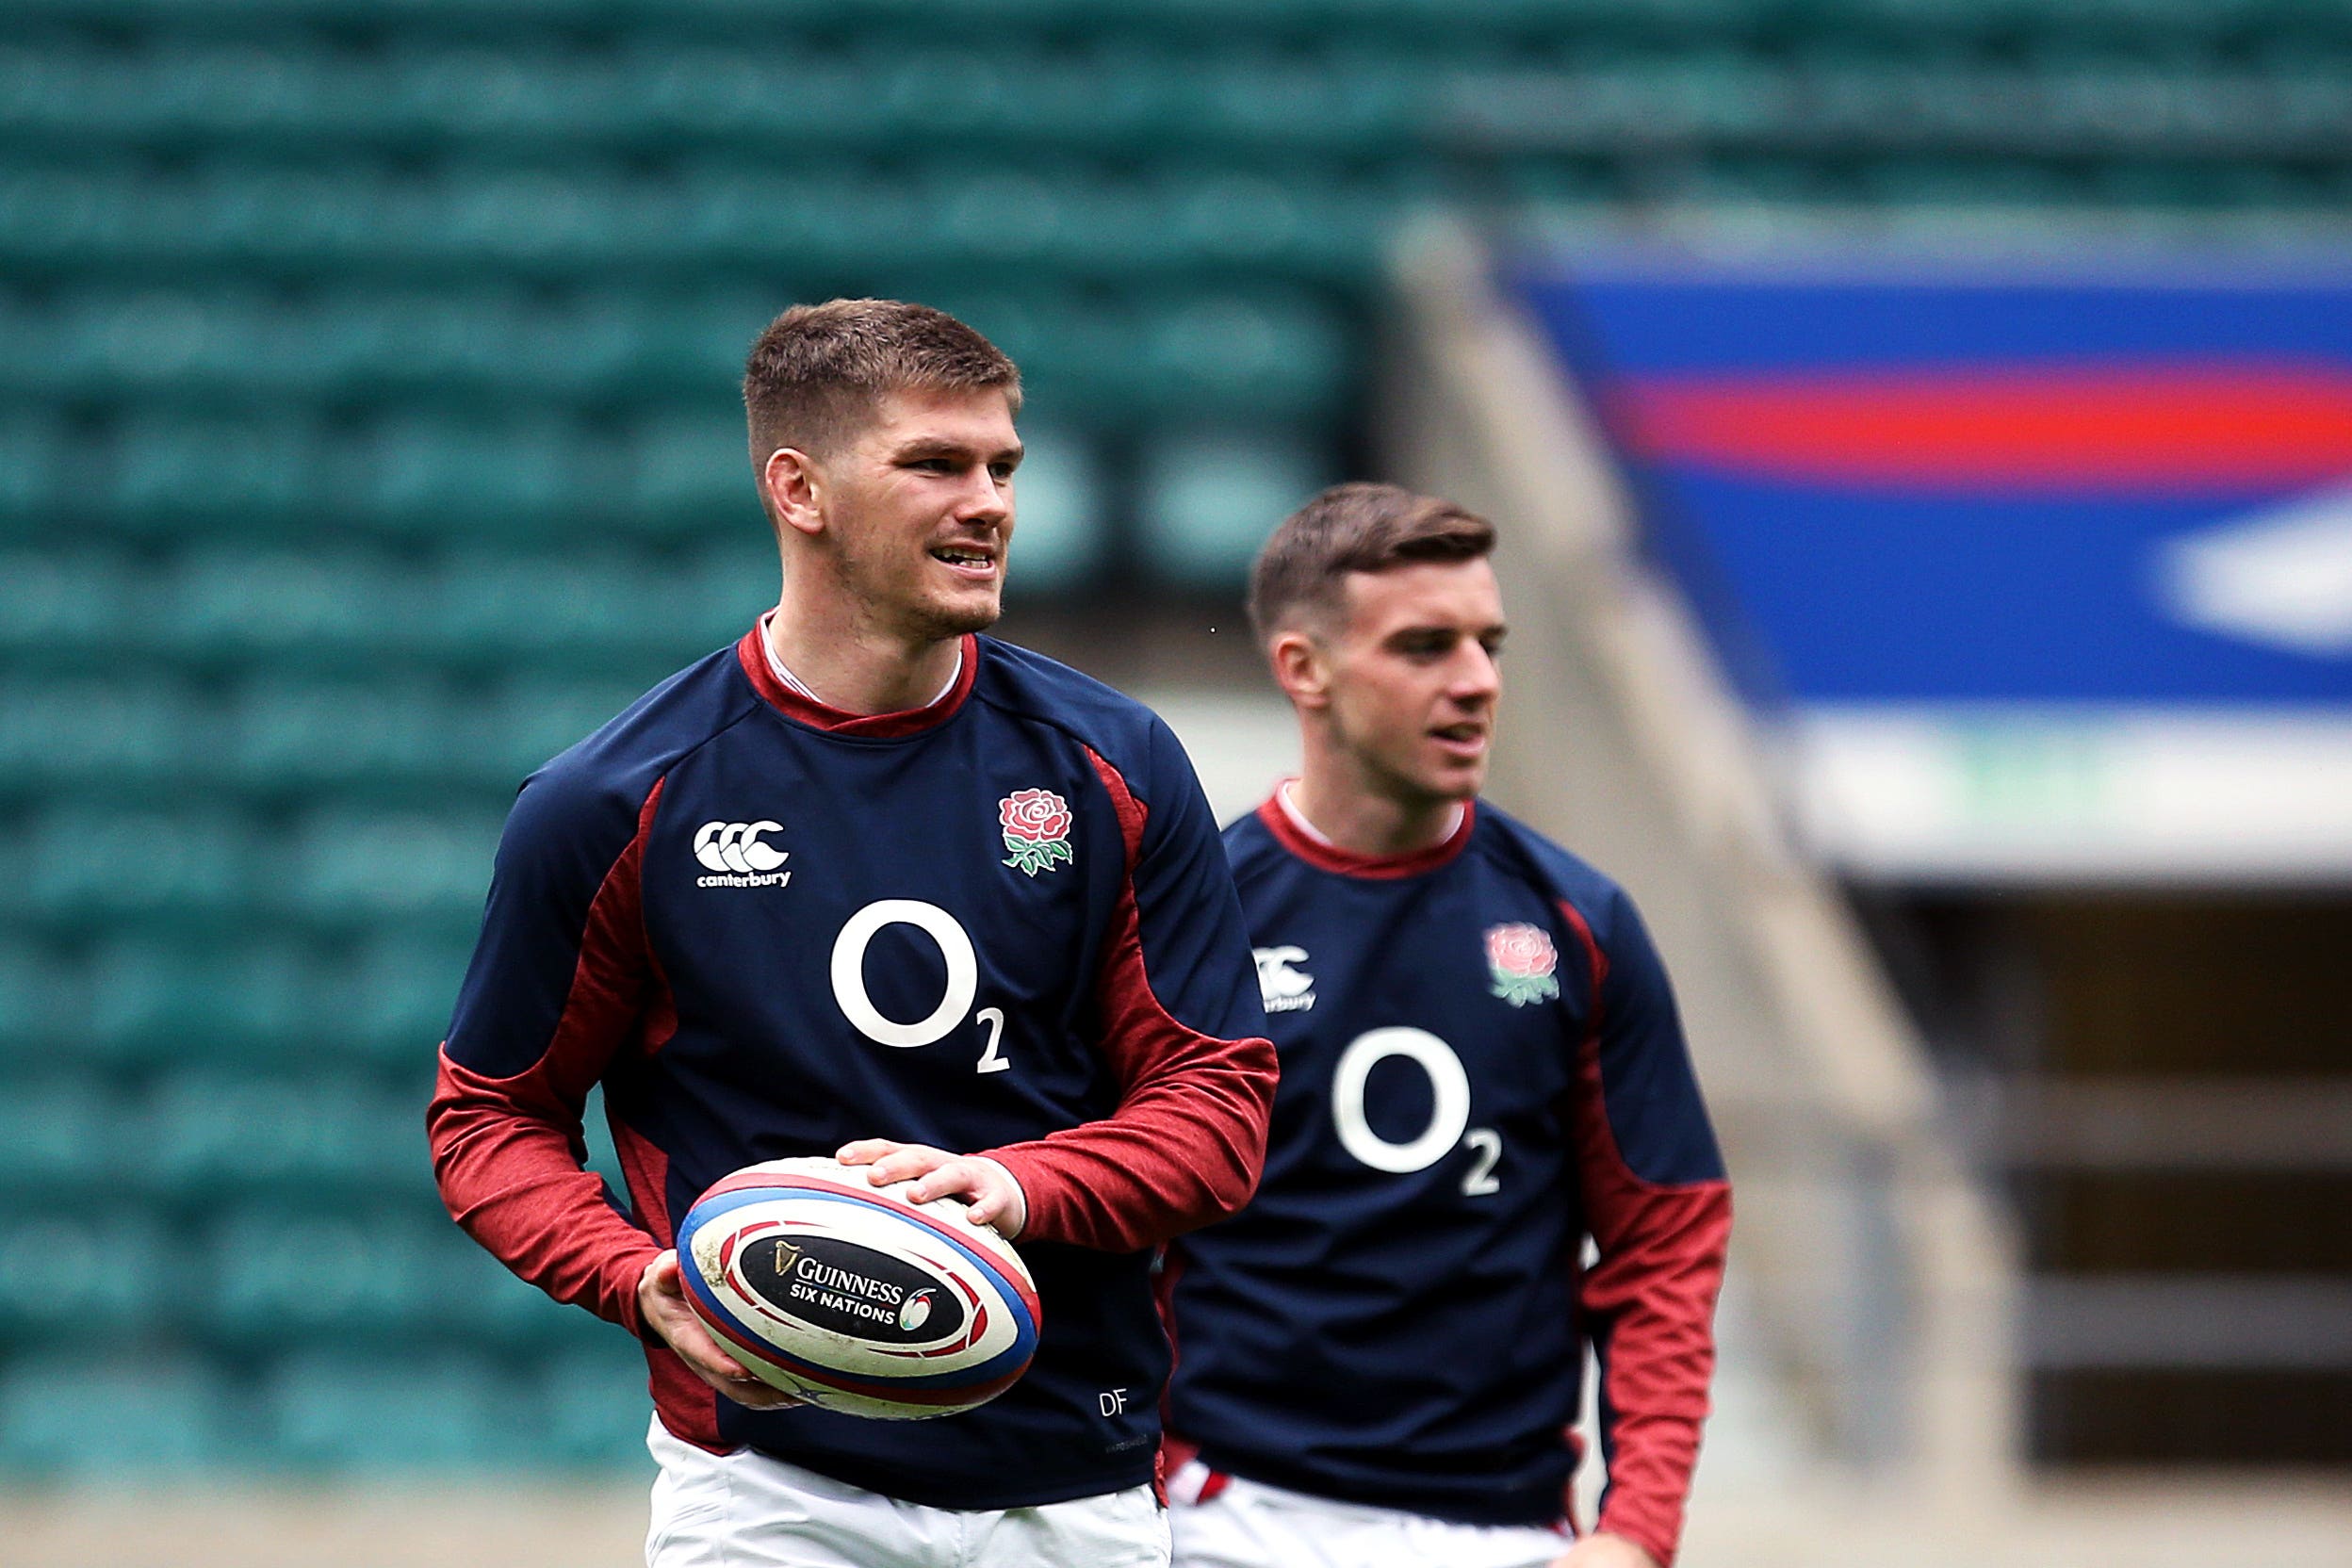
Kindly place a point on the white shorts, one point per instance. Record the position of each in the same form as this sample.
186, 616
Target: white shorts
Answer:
1245, 1524
745, 1509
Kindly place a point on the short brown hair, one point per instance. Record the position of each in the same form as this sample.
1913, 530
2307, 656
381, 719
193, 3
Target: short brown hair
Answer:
818, 372
1355, 528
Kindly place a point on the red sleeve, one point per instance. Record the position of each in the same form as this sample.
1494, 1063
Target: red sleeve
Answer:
1648, 1301
1188, 1141
508, 1151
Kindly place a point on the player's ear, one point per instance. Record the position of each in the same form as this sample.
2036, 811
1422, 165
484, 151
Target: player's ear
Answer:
791, 484
1300, 668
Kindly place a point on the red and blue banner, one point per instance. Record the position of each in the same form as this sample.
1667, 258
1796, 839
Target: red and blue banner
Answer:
2047, 574
2135, 487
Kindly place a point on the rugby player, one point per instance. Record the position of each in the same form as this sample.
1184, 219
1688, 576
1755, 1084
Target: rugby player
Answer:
871, 885
1381, 1360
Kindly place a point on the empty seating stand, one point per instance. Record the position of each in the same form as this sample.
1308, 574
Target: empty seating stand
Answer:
367, 433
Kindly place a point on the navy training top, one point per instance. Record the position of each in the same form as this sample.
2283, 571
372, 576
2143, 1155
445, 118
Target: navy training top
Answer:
1001, 924
1481, 1066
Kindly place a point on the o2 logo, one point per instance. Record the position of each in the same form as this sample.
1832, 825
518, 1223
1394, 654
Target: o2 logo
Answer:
1449, 1109
963, 980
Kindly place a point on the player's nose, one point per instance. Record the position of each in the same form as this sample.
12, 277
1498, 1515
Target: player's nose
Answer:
1477, 680
985, 498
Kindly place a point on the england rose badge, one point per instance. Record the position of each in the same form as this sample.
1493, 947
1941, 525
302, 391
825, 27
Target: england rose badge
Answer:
1036, 830
1524, 963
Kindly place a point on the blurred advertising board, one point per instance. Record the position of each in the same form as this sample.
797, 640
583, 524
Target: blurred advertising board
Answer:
2042, 572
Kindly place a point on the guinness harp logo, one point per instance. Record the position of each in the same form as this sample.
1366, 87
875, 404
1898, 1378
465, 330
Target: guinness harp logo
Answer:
768, 1265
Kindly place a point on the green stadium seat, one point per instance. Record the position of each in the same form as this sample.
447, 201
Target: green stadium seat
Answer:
599, 342
2190, 186
166, 473
695, 343
728, 583
66, 1418
151, 341
254, 604
296, 1271
1211, 497
90, 735
471, 607
479, 1302
686, 473
1080, 354
48, 215
1944, 182
1312, 230
78, 91
209, 1133
1745, 181
416, 339
270, 95
1116, 96
732, 214
1061, 513
476, 479
689, 91
276, 218
589, 611
31, 1006
485, 96
183, 1004
502, 606
282, 1277
83, 1278
1130, 232
534, 219
1224, 356
89, 867
524, 722
1356, 105
340, 1412
1031, 325
66, 606
290, 737
63, 1133
1009, 216
391, 1000
358, 868
1075, 352
348, 341
34, 468
593, 1408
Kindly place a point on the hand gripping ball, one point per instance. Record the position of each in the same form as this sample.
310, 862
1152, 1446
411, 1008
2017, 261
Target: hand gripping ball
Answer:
853, 1296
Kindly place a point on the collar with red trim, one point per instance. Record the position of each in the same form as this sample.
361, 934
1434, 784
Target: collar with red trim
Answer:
1293, 835
752, 654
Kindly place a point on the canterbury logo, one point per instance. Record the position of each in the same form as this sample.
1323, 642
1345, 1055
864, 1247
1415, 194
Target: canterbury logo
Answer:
1283, 989
735, 848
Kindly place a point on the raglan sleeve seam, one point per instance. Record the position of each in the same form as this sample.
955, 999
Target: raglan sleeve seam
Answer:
509, 1148
1188, 1139
1648, 1299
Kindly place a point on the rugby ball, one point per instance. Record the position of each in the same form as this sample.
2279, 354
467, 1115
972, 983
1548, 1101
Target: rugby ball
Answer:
855, 1298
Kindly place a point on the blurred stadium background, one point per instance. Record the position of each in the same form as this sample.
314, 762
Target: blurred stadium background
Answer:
367, 433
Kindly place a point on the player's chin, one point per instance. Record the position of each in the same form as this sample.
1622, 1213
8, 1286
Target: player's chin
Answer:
973, 608
1454, 777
